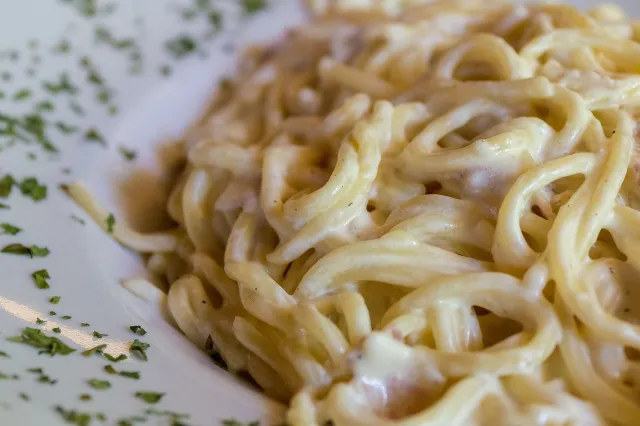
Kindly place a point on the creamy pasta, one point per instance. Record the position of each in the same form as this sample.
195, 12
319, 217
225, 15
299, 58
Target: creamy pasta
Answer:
419, 212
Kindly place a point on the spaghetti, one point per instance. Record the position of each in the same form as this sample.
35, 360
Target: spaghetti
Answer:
419, 212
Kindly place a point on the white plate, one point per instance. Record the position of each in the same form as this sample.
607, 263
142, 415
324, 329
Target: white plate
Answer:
85, 265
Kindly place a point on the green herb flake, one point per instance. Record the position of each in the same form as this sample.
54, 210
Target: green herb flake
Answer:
8, 229
110, 370
84, 324
64, 128
64, 85
92, 135
4, 355
138, 330
3, 206
104, 35
55, 300
110, 221
165, 70
24, 396
40, 321
234, 422
76, 108
20, 249
85, 397
99, 335
215, 19
77, 219
40, 279
22, 94
130, 374
139, 348
73, 416
4, 376
150, 397
45, 106
36, 338
52, 313
35, 370
101, 417
31, 188
65, 317
253, 6
62, 47
56, 330
181, 46
128, 154
6, 184
47, 380
99, 384
95, 349
121, 357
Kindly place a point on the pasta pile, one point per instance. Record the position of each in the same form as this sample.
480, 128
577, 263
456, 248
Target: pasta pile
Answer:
419, 213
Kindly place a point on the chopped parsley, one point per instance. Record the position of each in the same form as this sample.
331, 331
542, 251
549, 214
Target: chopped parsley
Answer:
86, 8
31, 188
3, 206
84, 324
22, 94
76, 108
56, 330
4, 376
77, 219
40, 321
24, 396
73, 416
253, 6
234, 422
130, 374
45, 106
138, 330
64, 128
165, 70
35, 370
65, 317
62, 47
55, 300
4, 354
52, 313
6, 184
181, 46
139, 348
62, 86
36, 338
111, 221
47, 380
119, 358
95, 349
150, 397
128, 154
85, 397
8, 229
40, 279
99, 384
20, 249
92, 135
99, 335
103, 35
